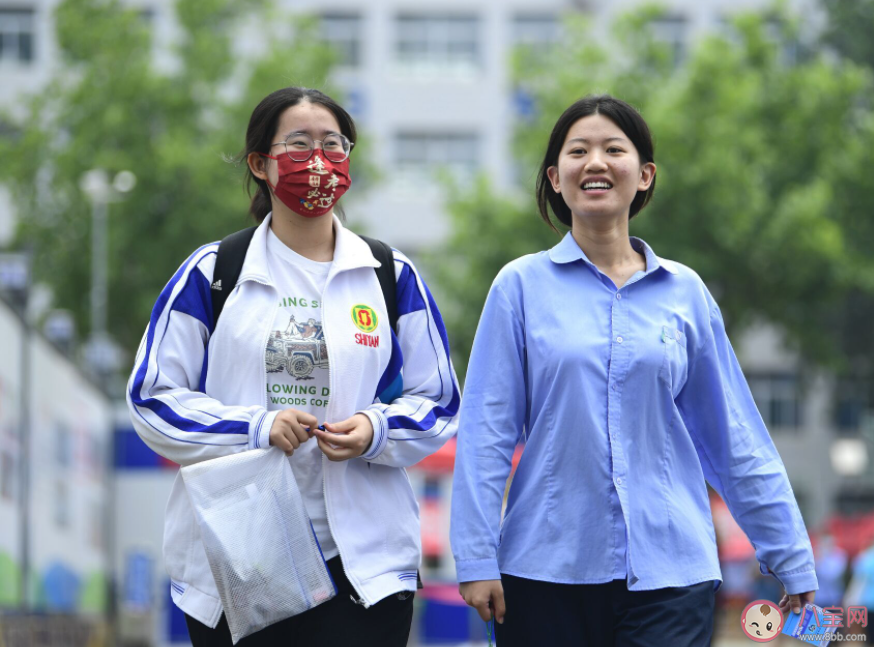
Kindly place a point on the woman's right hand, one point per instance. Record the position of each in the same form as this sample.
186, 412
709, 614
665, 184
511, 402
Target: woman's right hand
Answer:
289, 429
479, 594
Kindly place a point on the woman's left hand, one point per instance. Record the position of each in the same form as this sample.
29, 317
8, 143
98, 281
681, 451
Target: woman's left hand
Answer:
347, 439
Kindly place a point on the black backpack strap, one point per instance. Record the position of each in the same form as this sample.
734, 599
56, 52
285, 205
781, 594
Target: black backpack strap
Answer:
228, 265
386, 275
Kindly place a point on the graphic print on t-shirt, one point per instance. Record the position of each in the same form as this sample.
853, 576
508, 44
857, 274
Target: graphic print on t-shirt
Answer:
300, 349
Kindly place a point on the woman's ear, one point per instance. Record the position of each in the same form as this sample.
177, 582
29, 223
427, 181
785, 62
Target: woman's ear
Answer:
647, 174
552, 174
257, 164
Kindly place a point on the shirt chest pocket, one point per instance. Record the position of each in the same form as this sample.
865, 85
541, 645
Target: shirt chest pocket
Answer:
675, 366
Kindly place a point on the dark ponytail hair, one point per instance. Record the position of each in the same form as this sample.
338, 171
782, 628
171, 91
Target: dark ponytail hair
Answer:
623, 115
262, 130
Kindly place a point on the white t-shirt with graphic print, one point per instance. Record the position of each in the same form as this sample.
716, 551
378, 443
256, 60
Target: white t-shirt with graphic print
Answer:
297, 368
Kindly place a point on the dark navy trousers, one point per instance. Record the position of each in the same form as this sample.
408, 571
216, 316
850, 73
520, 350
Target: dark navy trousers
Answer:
339, 622
604, 615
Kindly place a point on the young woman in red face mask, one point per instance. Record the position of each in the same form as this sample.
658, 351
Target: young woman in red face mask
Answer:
303, 359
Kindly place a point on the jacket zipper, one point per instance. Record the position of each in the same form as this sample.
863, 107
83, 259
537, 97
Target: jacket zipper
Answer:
361, 599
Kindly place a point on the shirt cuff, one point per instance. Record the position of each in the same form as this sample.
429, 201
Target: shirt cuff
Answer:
474, 570
796, 582
259, 430
380, 433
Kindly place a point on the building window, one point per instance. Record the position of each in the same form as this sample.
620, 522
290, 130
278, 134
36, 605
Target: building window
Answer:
420, 156
7, 476
96, 526
672, 31
851, 405
62, 505
343, 33
98, 461
16, 35
774, 30
439, 41
778, 398
63, 445
538, 31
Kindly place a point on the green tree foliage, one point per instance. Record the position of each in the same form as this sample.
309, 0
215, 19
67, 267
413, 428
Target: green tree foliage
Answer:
115, 105
763, 162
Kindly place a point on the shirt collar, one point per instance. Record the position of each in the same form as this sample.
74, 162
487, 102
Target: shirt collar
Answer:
568, 251
350, 252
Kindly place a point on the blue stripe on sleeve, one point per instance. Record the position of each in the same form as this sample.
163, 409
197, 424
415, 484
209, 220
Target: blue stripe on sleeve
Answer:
169, 416
160, 304
435, 313
410, 300
204, 367
180, 440
408, 295
163, 411
393, 391
195, 299
430, 420
390, 377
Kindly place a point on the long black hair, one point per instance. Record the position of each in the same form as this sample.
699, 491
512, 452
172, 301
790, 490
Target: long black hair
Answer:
623, 115
262, 130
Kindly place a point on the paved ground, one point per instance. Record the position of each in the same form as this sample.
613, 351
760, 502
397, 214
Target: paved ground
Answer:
731, 641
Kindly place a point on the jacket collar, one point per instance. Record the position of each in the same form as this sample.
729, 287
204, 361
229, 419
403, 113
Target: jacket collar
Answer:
350, 252
568, 251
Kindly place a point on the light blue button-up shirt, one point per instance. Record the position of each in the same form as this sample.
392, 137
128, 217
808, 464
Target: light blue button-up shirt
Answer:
629, 399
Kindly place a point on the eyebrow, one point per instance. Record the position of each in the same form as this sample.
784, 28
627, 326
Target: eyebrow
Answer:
325, 133
586, 141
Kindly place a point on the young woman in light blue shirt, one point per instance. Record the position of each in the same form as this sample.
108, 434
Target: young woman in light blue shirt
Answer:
615, 366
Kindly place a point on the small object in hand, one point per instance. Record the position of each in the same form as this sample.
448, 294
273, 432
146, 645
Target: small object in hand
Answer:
809, 625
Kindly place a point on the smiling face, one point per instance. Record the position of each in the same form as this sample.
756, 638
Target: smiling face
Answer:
762, 621
599, 171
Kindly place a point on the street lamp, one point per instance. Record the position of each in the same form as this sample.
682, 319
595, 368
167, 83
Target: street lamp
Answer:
100, 352
849, 456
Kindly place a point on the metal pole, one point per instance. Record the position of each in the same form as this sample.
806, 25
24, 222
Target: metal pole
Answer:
24, 448
99, 262
110, 538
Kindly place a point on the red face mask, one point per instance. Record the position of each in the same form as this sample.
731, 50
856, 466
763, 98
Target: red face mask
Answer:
310, 188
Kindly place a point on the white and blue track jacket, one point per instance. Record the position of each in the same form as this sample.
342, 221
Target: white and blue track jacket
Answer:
197, 393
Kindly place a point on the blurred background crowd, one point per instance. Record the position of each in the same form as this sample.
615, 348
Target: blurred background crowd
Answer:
120, 126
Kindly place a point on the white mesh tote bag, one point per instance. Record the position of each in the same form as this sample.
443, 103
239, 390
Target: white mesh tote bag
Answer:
259, 541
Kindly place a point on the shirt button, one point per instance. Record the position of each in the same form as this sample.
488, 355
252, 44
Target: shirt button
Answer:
619, 481
619, 339
614, 386
618, 296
